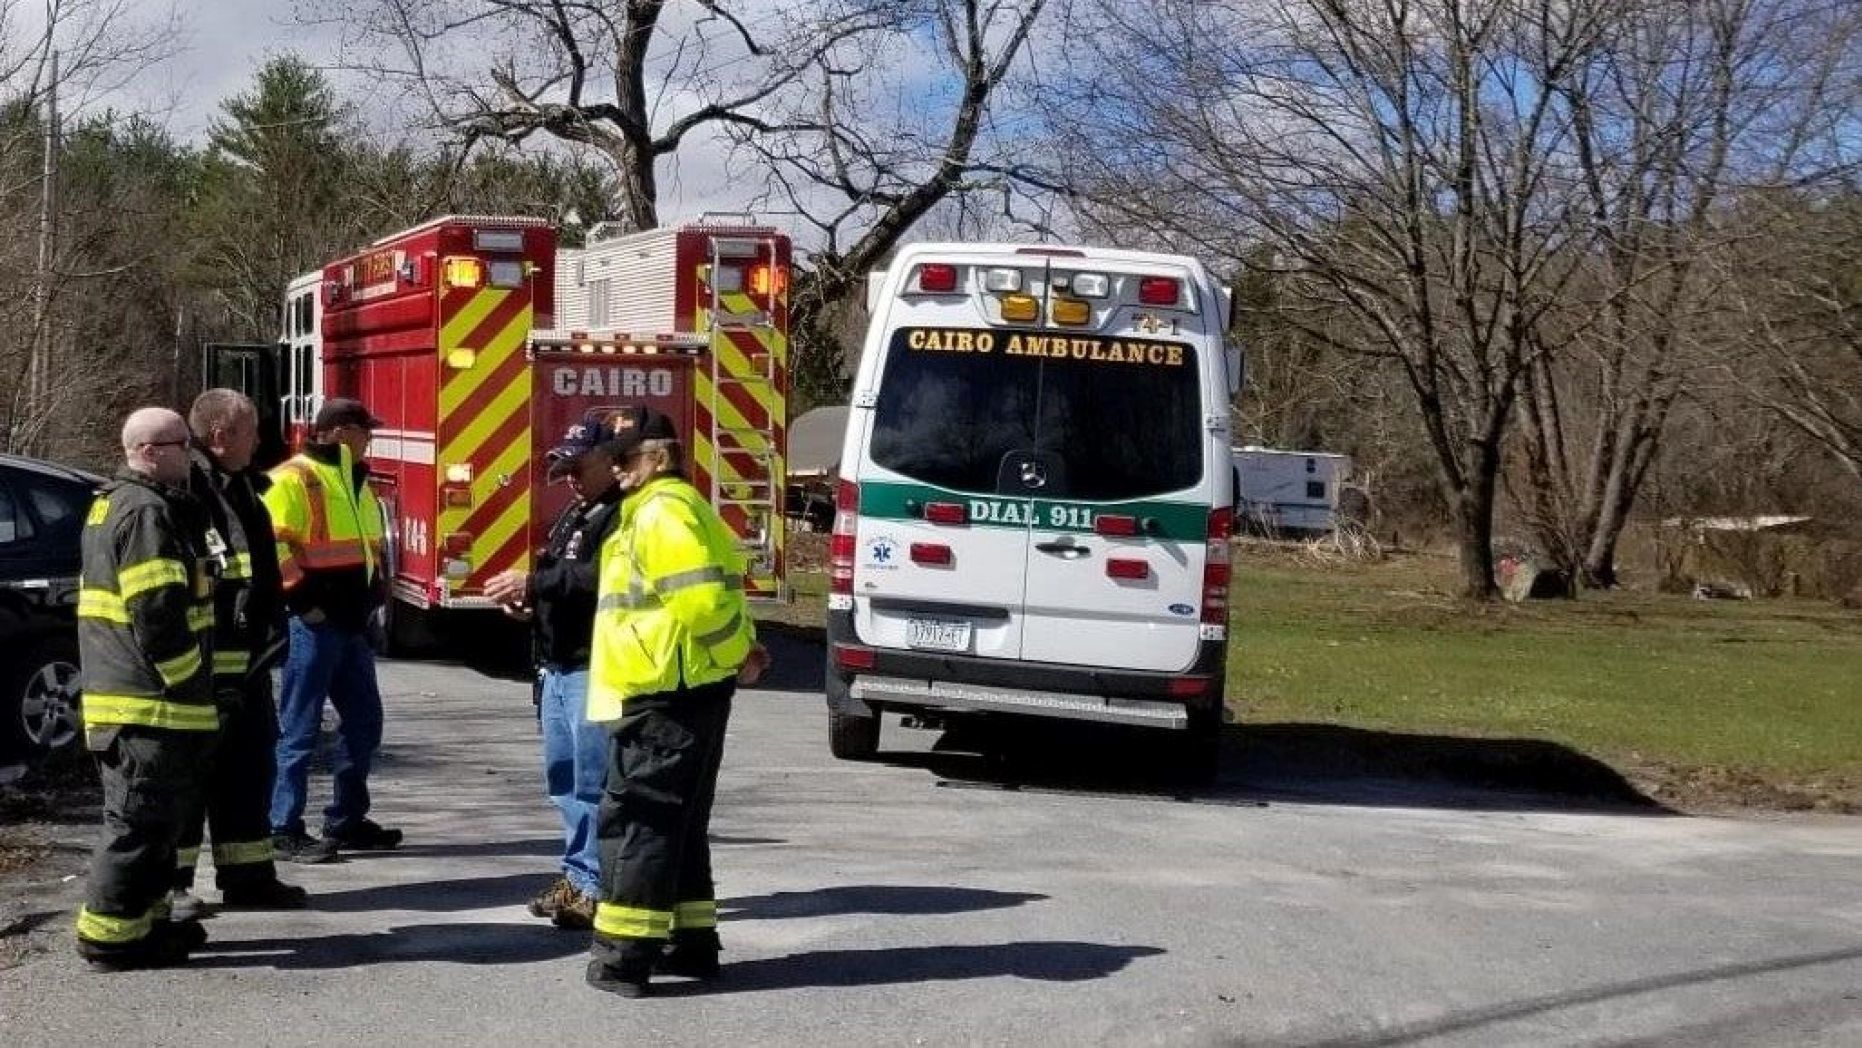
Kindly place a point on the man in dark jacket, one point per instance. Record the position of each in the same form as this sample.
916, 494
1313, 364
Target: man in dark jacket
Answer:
248, 626
559, 600
145, 618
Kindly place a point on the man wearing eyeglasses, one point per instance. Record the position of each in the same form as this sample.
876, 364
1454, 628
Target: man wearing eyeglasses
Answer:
333, 565
145, 621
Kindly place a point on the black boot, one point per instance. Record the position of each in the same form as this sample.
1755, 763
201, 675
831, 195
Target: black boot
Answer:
694, 955
631, 976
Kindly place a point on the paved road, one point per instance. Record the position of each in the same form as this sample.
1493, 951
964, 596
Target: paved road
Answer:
911, 903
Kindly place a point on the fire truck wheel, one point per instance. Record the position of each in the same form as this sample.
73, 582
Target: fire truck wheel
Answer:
853, 738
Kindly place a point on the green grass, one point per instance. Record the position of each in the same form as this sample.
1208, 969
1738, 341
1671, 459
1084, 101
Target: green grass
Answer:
1701, 703
1766, 693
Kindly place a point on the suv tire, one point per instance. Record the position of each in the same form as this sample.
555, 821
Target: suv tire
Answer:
853, 738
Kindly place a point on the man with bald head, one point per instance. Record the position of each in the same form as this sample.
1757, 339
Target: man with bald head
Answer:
145, 621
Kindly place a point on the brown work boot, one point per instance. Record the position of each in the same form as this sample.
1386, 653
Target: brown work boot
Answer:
550, 899
577, 911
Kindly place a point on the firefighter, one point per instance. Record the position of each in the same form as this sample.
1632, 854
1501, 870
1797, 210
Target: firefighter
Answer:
559, 600
331, 558
145, 617
673, 638
248, 624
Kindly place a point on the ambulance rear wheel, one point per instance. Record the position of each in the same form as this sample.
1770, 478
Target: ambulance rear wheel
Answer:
853, 738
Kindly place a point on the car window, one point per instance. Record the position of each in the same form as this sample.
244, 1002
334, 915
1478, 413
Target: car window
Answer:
59, 505
1121, 418
14, 527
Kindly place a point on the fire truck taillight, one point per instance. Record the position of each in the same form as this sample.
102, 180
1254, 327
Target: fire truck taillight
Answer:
460, 359
764, 279
459, 473
463, 272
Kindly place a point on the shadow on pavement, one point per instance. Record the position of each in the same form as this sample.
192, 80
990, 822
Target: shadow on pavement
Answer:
474, 893
545, 847
1802, 1015
797, 660
444, 943
1303, 763
1040, 961
900, 899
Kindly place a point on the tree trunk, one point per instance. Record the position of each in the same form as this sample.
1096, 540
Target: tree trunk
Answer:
1472, 504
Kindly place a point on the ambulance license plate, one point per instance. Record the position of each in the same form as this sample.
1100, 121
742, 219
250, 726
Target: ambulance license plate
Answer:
938, 634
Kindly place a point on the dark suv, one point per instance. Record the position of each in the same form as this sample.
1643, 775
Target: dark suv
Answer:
42, 509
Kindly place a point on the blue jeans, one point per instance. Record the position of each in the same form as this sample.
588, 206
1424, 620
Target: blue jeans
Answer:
338, 665
575, 769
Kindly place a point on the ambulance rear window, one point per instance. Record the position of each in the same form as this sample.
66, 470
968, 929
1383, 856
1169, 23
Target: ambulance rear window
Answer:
1117, 419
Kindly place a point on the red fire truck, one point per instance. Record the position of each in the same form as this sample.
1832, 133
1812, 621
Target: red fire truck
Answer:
450, 333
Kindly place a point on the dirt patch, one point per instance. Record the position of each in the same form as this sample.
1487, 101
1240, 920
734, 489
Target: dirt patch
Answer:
1704, 790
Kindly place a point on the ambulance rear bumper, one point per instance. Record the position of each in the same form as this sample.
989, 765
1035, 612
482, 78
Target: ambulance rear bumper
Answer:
913, 680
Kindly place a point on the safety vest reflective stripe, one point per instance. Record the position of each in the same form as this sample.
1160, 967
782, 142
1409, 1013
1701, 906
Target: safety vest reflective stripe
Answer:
95, 603
722, 633
638, 597
679, 580
242, 853
180, 668
200, 619
187, 858
230, 663
632, 922
101, 927
137, 579
238, 566
336, 553
689, 916
112, 710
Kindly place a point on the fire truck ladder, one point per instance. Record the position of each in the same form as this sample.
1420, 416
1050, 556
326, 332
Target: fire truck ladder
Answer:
750, 450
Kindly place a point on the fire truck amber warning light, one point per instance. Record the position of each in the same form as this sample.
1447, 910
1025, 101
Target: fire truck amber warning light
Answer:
464, 272
461, 358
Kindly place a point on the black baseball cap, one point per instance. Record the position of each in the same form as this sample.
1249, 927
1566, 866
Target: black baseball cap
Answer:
634, 425
342, 411
589, 433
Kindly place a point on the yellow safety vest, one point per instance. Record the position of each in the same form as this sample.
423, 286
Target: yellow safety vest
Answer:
671, 609
321, 520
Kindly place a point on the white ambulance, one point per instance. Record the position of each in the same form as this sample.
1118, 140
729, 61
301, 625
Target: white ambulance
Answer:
1035, 495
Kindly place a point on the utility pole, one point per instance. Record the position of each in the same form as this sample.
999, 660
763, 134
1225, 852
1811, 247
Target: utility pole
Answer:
38, 370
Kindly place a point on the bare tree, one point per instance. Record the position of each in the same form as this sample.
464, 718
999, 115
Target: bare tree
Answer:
1796, 298
633, 80
1402, 167
1682, 101
75, 51
890, 126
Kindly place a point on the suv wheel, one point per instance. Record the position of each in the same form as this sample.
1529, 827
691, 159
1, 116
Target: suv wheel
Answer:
852, 738
43, 699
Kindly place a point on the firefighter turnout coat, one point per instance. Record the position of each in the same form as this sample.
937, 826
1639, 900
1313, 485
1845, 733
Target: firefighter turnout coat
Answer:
671, 608
329, 529
145, 611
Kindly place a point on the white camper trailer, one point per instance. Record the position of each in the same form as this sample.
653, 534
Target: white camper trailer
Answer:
1288, 492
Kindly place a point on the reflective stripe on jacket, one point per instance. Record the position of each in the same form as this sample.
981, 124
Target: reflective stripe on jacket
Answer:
145, 610
671, 608
247, 602
325, 520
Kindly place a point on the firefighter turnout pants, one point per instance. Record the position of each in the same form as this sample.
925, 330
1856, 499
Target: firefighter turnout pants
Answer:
235, 803
150, 779
654, 822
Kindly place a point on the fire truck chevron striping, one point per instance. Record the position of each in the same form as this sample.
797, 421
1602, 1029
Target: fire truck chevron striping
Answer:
485, 423
478, 342
695, 321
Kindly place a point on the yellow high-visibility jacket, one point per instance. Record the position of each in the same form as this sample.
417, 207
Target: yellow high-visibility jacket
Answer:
328, 525
671, 609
